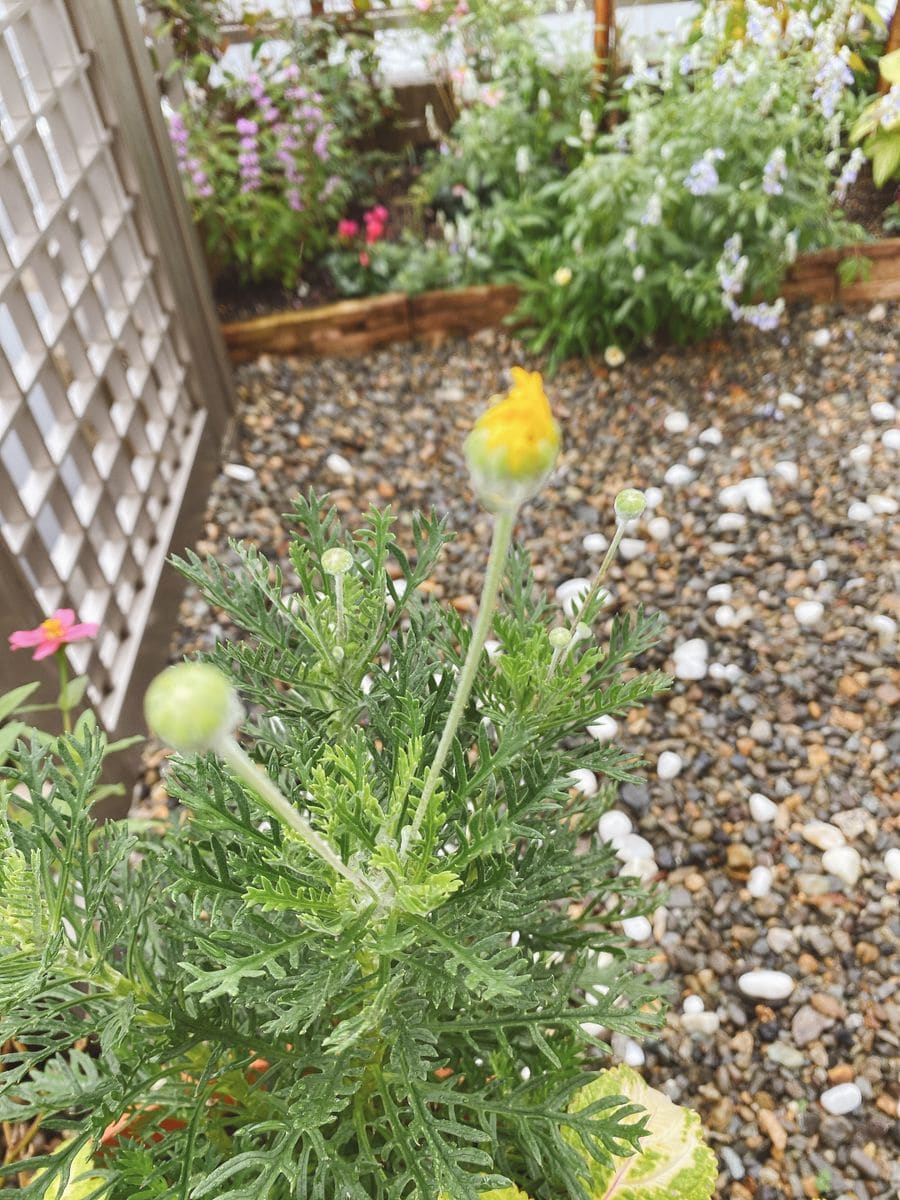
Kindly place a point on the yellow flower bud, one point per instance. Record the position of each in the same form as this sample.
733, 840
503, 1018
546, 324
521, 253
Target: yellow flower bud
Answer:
513, 446
192, 706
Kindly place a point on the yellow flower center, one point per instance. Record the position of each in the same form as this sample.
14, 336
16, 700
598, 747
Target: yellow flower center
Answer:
521, 426
53, 628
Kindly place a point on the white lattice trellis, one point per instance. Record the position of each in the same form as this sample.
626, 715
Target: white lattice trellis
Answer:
100, 411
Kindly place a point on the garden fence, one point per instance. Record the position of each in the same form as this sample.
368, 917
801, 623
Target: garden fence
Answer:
114, 389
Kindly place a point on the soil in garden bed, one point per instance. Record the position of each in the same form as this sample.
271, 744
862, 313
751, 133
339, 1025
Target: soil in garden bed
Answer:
866, 204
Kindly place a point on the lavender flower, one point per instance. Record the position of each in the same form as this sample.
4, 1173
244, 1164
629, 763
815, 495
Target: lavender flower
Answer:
703, 178
832, 77
775, 172
765, 317
848, 175
630, 240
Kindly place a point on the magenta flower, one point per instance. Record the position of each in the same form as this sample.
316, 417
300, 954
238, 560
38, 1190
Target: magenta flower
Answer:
51, 635
347, 228
246, 128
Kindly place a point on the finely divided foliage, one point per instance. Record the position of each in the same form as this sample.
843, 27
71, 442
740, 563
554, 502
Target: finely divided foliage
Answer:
258, 1027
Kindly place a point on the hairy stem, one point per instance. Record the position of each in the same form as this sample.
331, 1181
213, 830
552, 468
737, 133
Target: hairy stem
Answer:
63, 686
257, 779
503, 527
601, 574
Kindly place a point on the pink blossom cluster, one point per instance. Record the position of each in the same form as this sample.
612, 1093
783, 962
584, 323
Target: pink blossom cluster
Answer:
248, 157
189, 166
374, 222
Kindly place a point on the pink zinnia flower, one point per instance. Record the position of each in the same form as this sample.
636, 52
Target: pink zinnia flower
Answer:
57, 631
347, 228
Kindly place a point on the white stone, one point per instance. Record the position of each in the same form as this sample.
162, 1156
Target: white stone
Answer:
858, 511
659, 528
637, 928
890, 439
525, 1073
613, 825
239, 472
632, 845
860, 455
595, 543
711, 436
892, 862
492, 646
822, 835
766, 985
780, 940
653, 497
809, 612
631, 548
817, 572
669, 765
841, 1099
843, 862
877, 312
759, 498
584, 781
692, 1004
571, 594
882, 410
882, 505
604, 729
678, 475
762, 809
725, 617
338, 465
593, 1030
690, 659
639, 868
820, 338
628, 1050
730, 522
676, 422
366, 684
786, 470
884, 626
695, 456
701, 1024
787, 400
721, 593
759, 883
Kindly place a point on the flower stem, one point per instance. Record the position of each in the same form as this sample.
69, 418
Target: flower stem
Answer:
601, 574
503, 527
257, 779
339, 605
63, 688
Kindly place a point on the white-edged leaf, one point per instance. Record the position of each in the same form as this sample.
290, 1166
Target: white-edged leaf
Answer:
674, 1162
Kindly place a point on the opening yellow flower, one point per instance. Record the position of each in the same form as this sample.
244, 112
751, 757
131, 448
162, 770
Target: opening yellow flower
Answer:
513, 446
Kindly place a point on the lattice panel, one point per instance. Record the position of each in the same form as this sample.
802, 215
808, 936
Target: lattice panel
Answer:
98, 426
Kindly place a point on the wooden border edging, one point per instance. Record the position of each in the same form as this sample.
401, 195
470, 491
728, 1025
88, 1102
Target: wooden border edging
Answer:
357, 326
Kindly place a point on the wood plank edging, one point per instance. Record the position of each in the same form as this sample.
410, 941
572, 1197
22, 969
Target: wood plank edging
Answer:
358, 326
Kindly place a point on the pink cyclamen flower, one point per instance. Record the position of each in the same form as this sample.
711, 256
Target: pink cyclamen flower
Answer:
379, 214
374, 232
51, 635
347, 228
364, 259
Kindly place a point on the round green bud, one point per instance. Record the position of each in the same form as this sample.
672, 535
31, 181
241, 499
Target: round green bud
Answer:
630, 503
337, 561
191, 706
560, 637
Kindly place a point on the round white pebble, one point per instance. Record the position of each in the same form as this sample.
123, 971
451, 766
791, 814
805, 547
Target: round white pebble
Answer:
571, 594
859, 512
892, 862
640, 868
339, 465
691, 659
822, 835
614, 825
653, 497
758, 498
676, 422
695, 456
809, 612
860, 455
631, 548
730, 522
659, 528
719, 592
669, 765
679, 475
584, 781
890, 439
788, 400
632, 845
841, 1099
766, 985
762, 809
604, 729
692, 1004
788, 471
817, 572
725, 617
637, 928
882, 505
844, 863
760, 882
239, 472
595, 543
711, 436
628, 1050
884, 626
882, 410
820, 338
701, 1024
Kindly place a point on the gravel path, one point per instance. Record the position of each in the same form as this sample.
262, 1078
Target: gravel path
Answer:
788, 689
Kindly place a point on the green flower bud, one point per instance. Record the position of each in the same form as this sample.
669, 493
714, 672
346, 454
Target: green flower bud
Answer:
192, 706
630, 503
337, 561
559, 637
